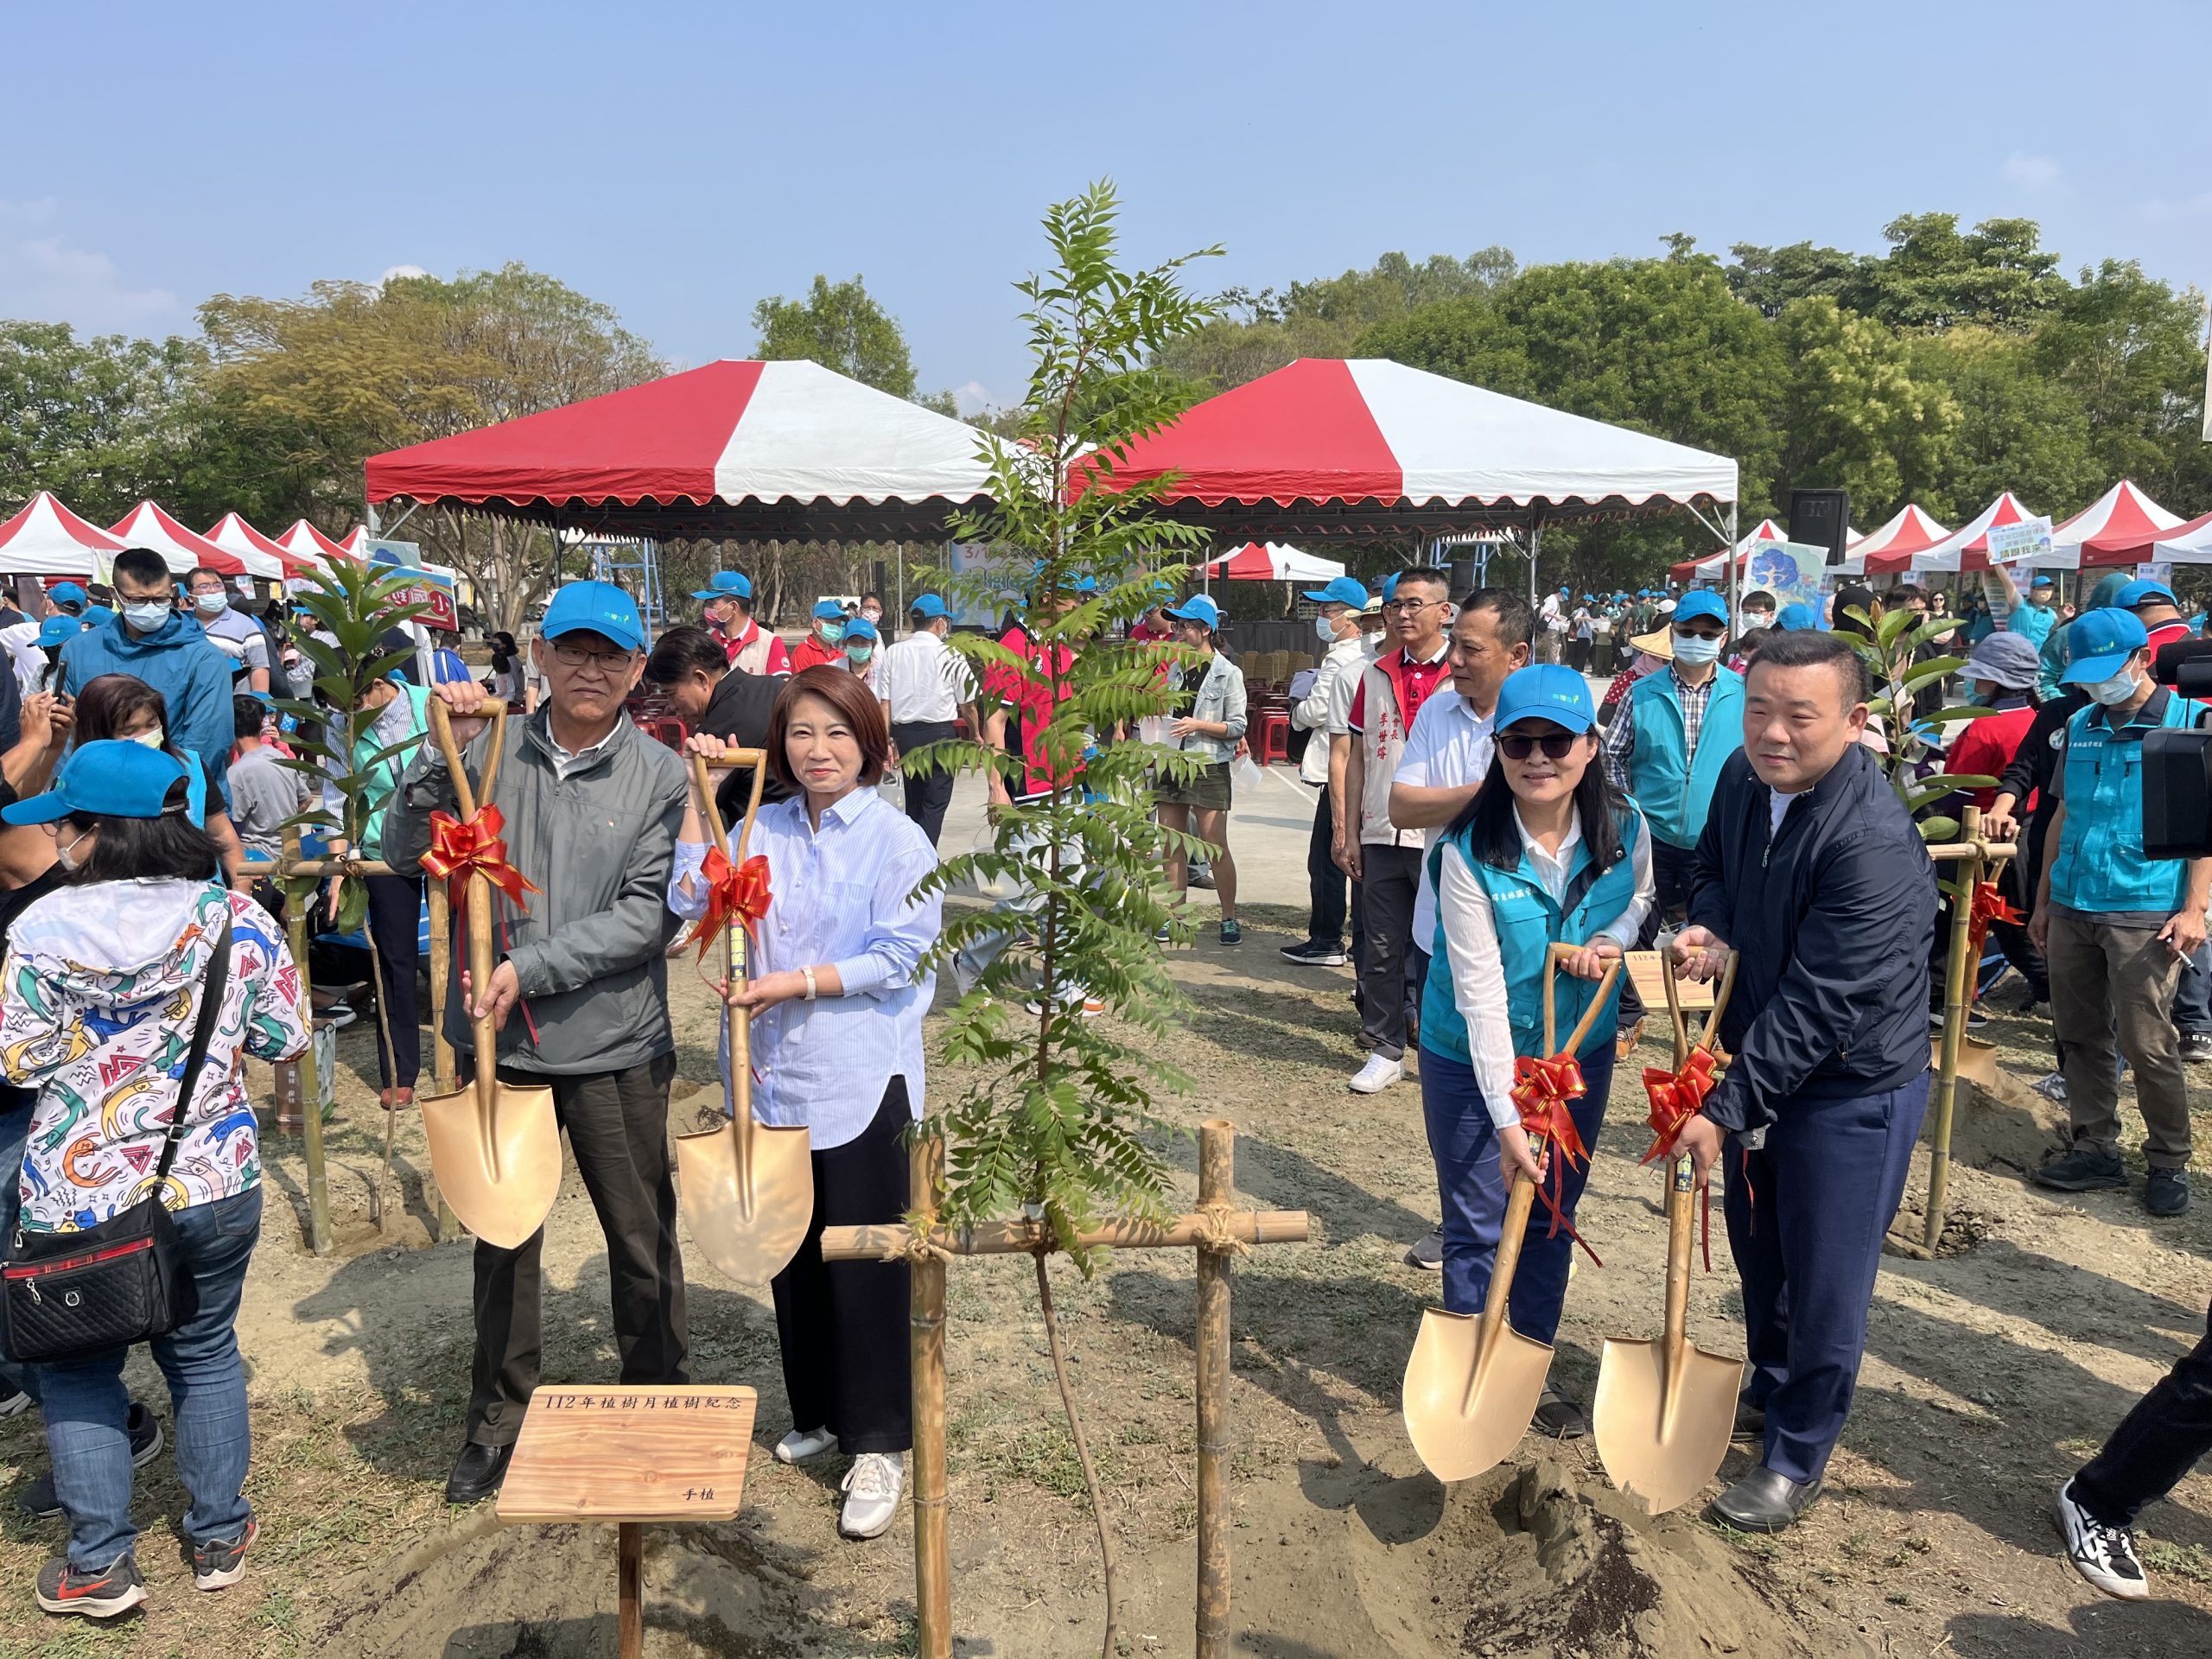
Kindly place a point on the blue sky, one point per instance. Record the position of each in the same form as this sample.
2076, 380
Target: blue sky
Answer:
680, 161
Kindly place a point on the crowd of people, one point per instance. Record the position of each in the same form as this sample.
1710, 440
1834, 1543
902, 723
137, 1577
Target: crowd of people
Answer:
1479, 804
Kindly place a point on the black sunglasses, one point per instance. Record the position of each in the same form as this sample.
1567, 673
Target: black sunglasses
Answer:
1556, 746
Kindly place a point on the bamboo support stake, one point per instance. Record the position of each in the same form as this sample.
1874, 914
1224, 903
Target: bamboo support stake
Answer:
1216, 1184
1956, 971
295, 928
925, 1340
879, 1243
630, 1607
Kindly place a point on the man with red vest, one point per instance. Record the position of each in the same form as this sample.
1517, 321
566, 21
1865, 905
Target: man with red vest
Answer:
1382, 858
727, 613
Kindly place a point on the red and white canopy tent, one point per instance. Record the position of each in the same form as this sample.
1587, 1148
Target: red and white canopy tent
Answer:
46, 539
1965, 548
311, 547
2188, 543
1366, 449
2118, 527
1895, 543
262, 557
1714, 564
740, 451
1274, 562
146, 525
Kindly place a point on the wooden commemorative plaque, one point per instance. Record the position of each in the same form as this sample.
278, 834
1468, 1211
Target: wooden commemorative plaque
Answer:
630, 1454
1650, 982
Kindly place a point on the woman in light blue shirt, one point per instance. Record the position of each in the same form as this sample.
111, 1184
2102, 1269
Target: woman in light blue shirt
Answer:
838, 994
1211, 730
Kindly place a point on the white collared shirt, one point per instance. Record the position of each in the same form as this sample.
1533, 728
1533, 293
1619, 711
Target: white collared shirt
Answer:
566, 764
1449, 747
840, 896
923, 680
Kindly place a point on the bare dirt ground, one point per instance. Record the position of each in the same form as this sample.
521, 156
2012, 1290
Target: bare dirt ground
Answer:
1990, 1374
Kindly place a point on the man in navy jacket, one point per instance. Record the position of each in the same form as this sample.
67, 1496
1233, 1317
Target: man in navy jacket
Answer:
1809, 868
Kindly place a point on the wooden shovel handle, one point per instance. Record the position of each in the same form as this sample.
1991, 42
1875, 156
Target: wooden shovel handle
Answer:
1553, 957
1709, 1038
441, 733
736, 1022
1521, 1200
479, 903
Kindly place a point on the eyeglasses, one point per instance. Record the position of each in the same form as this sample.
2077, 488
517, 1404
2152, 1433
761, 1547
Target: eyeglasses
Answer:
1411, 607
1556, 746
603, 661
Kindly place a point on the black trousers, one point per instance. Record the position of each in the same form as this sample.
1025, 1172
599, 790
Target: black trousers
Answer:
843, 1324
1670, 876
1327, 883
1389, 882
928, 794
618, 1129
2156, 1444
396, 915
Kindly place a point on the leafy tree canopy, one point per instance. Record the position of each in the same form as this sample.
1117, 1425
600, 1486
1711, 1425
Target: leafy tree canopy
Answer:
842, 327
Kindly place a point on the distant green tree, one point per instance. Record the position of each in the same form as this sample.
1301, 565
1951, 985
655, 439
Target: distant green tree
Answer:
1936, 276
1856, 416
101, 420
1771, 277
2018, 429
840, 325
2130, 352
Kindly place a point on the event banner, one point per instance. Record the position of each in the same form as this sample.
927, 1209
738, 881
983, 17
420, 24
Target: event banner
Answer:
1791, 571
2029, 539
441, 613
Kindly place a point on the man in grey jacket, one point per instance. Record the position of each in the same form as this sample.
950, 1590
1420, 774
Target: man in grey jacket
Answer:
593, 807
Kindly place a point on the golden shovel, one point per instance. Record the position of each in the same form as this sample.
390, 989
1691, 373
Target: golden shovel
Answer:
747, 1188
1473, 1382
1664, 1409
495, 1148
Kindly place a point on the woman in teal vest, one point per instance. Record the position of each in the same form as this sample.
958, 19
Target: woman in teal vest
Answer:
1547, 853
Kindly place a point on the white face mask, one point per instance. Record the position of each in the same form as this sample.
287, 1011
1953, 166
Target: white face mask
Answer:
2116, 690
1754, 620
65, 853
210, 604
1696, 648
147, 615
152, 737
1326, 629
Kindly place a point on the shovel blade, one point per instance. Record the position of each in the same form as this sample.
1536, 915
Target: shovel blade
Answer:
1467, 1409
1660, 1450
500, 1173
750, 1229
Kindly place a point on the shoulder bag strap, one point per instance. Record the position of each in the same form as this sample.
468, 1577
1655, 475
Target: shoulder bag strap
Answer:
203, 1028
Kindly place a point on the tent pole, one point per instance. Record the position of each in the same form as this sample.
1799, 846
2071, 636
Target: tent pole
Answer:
1536, 545
1735, 574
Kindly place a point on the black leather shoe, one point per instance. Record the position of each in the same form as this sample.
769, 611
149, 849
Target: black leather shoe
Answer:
477, 1472
1751, 1421
1763, 1502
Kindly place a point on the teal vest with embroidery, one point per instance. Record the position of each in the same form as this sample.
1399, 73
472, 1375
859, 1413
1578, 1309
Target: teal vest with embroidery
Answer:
1674, 787
2099, 867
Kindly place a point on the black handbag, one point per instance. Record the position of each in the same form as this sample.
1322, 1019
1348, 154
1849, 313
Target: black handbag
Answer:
71, 1295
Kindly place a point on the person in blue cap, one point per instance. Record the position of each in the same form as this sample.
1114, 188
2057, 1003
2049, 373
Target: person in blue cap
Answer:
1810, 869
1337, 609
2035, 616
727, 613
860, 640
2152, 603
1546, 853
2114, 926
926, 689
593, 808
1797, 617
1209, 730
1671, 736
826, 639
141, 926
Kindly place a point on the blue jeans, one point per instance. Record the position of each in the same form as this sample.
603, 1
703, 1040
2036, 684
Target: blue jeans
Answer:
85, 1403
1464, 1145
1806, 1217
2193, 993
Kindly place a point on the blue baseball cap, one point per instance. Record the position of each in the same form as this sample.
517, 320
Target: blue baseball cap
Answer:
2041, 581
930, 606
1344, 590
1549, 691
1198, 608
826, 609
96, 614
858, 627
2136, 591
114, 778
2098, 644
598, 607
59, 631
1703, 602
726, 584
66, 593
1797, 617
1390, 587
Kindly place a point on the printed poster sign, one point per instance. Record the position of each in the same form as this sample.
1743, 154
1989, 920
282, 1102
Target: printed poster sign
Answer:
1791, 571
2029, 539
443, 615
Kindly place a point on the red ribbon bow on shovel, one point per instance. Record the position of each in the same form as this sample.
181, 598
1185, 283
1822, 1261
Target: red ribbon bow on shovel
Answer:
1989, 906
459, 847
1541, 1089
735, 891
1675, 1099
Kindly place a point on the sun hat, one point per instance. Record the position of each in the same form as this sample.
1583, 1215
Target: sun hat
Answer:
598, 607
1549, 691
2098, 644
1344, 590
2006, 659
1197, 608
114, 778
726, 584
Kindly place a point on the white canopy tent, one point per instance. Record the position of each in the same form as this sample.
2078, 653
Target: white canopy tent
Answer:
46, 539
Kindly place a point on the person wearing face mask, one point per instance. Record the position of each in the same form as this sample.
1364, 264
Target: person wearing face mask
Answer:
1757, 616
727, 614
2115, 926
861, 640
1337, 626
1672, 733
238, 637
825, 641
172, 654
872, 610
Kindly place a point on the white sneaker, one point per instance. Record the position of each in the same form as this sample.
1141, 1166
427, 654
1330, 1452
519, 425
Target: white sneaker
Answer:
2104, 1556
2051, 1086
802, 1444
873, 1487
1376, 1075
